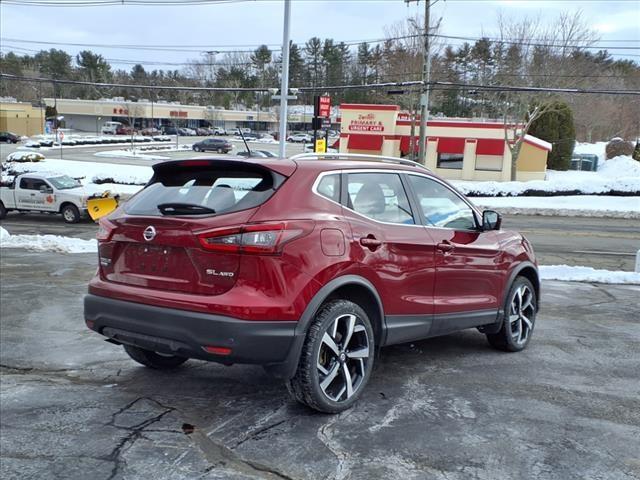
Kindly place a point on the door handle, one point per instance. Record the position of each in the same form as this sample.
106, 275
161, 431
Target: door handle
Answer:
371, 242
445, 246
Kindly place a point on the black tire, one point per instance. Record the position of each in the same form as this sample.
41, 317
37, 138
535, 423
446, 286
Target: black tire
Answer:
305, 386
70, 213
514, 326
3, 211
154, 360
195, 149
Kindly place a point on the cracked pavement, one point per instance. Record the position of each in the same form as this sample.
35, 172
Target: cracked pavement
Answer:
73, 406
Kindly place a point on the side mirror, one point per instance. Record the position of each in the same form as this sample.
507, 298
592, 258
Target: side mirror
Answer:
45, 189
491, 220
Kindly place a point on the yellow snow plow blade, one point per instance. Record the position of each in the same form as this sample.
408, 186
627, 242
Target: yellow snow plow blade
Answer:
98, 207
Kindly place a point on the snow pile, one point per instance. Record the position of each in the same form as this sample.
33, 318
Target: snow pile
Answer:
573, 205
128, 154
620, 167
25, 157
47, 243
620, 174
587, 274
90, 172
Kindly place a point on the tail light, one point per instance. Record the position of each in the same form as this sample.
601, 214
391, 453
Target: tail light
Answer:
105, 230
259, 238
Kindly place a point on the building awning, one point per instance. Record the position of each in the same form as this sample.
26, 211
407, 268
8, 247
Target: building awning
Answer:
490, 146
365, 142
451, 145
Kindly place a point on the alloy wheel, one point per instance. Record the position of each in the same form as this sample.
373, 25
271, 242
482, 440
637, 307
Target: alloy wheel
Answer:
522, 314
343, 358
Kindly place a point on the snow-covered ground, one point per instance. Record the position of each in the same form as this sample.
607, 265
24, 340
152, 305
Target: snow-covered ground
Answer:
565, 206
47, 243
90, 172
587, 274
618, 174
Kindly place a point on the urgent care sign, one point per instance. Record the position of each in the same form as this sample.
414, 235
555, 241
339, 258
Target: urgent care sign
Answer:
368, 128
368, 119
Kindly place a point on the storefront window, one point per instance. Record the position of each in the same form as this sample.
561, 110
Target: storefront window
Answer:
450, 160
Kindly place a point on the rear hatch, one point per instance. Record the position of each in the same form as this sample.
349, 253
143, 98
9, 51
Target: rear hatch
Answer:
156, 239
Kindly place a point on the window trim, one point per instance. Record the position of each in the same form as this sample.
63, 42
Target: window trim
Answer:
474, 209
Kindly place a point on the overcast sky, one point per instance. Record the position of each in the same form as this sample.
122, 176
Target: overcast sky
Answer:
253, 22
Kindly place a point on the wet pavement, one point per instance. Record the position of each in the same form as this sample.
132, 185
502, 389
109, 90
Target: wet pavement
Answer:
73, 406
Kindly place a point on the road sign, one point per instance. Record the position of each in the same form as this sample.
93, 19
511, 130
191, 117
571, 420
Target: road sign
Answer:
321, 145
323, 106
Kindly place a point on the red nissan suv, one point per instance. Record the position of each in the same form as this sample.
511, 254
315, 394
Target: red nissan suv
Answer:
306, 266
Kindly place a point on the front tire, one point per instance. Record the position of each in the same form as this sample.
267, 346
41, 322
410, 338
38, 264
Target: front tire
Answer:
70, 213
336, 359
519, 321
154, 360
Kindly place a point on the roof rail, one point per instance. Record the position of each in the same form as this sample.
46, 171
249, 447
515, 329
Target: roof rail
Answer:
358, 156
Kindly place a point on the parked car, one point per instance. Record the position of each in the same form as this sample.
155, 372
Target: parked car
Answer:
8, 137
236, 131
219, 131
203, 132
213, 145
45, 193
171, 131
300, 138
125, 130
305, 267
149, 131
110, 128
187, 132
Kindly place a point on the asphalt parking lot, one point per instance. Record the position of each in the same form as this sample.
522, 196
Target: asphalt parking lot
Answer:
74, 406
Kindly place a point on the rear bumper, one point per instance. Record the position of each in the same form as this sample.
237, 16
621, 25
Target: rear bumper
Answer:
185, 333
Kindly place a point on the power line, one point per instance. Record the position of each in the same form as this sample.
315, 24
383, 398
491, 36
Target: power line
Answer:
103, 3
385, 85
198, 48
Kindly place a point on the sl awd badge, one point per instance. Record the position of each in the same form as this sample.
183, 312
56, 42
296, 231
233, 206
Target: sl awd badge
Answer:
149, 233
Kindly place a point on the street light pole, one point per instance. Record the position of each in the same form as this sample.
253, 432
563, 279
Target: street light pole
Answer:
284, 82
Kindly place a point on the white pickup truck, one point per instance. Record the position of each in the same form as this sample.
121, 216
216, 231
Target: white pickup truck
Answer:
53, 193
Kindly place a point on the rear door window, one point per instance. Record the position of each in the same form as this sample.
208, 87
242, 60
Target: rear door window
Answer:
219, 190
379, 196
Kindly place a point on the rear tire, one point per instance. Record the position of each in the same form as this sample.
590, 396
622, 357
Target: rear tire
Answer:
519, 318
336, 359
70, 213
3, 211
154, 360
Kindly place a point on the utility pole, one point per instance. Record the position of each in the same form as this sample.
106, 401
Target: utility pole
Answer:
284, 82
426, 78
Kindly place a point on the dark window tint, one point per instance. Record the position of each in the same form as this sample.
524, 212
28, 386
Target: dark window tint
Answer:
380, 196
221, 189
450, 160
32, 184
441, 206
329, 186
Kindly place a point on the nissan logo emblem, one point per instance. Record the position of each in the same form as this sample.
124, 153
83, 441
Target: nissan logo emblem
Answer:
149, 233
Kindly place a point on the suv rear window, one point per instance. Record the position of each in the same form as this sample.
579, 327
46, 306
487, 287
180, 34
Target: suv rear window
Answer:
222, 190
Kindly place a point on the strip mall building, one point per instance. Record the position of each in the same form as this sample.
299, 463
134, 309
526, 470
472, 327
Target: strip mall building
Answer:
456, 148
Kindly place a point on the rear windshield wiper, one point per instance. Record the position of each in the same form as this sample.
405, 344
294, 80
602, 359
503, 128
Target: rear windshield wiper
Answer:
184, 209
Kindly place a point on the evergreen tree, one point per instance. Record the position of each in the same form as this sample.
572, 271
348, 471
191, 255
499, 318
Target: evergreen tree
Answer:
556, 126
